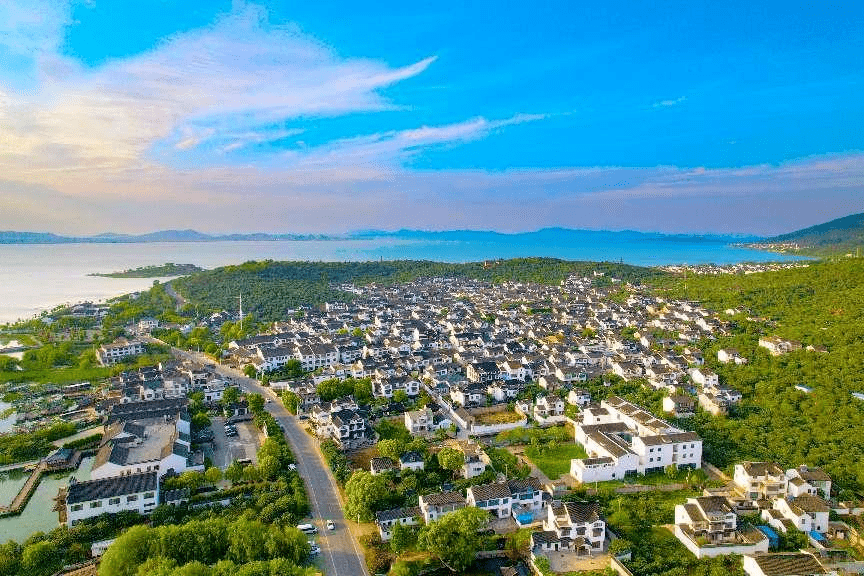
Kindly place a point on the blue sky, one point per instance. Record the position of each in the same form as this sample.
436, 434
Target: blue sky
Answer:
330, 116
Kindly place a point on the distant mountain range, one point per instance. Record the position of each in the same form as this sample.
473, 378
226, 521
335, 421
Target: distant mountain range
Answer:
8, 237
840, 234
550, 235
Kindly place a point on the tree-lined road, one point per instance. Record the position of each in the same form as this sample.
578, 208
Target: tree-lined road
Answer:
340, 552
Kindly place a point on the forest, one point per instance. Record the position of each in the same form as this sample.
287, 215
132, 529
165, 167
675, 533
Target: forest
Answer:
270, 289
821, 305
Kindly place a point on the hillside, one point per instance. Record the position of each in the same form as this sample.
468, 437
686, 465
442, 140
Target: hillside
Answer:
270, 288
821, 305
842, 235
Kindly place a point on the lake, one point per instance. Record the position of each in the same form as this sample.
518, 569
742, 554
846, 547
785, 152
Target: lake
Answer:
37, 277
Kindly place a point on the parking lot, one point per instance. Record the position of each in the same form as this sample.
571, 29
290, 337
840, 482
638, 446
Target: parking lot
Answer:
228, 449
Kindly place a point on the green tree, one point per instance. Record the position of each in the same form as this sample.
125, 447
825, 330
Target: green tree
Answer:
192, 480
402, 538
126, 553
250, 371
451, 459
234, 472
230, 396
364, 494
291, 401
200, 421
40, 558
10, 558
363, 390
400, 396
256, 403
454, 538
213, 475
392, 448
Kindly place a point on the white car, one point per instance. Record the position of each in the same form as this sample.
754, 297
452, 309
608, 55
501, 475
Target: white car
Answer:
331, 525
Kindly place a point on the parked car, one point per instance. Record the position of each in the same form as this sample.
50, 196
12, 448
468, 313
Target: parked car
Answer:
331, 525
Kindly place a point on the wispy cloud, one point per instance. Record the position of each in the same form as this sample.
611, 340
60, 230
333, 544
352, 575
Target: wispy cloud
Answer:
393, 147
221, 83
668, 103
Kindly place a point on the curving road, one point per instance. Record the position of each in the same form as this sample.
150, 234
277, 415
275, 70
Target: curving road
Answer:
340, 553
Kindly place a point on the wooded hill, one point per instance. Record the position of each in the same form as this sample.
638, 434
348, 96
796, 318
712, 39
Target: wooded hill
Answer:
842, 235
821, 305
270, 288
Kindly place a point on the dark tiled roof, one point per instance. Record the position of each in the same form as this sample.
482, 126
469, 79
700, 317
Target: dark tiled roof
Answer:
398, 513
582, 512
796, 564
109, 487
444, 498
381, 464
411, 457
489, 491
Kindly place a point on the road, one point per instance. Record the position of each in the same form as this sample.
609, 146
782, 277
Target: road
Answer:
340, 552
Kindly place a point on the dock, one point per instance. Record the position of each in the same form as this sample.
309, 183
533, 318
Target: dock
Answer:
32, 482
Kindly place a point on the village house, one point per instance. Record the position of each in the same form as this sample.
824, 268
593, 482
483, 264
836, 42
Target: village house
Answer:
623, 439
760, 480
387, 519
708, 527
118, 351
433, 506
573, 526
132, 492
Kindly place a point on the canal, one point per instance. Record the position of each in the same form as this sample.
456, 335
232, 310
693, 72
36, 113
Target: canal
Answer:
38, 515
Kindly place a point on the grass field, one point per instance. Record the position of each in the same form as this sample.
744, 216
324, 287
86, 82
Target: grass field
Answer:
554, 461
491, 418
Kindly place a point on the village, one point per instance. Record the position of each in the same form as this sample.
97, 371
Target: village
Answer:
518, 384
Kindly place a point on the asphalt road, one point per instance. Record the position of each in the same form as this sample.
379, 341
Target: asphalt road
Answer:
341, 555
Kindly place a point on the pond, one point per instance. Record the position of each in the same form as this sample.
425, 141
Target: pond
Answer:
38, 515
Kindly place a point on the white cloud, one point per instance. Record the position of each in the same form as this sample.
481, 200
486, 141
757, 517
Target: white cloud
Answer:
394, 147
230, 78
667, 103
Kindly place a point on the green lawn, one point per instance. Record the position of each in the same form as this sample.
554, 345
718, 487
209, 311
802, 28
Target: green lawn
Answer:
554, 461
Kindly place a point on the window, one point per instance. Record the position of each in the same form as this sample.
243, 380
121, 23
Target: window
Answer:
132, 498
113, 501
148, 495
96, 504
77, 507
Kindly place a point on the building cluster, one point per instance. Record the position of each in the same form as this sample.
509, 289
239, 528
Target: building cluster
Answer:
472, 344
785, 501
147, 434
623, 440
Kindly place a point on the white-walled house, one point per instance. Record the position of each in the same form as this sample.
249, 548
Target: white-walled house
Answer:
708, 527
622, 439
815, 477
387, 519
433, 506
494, 498
807, 512
785, 563
133, 492
760, 480
579, 397
704, 377
573, 526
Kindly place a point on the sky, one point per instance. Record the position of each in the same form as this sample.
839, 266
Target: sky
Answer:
331, 116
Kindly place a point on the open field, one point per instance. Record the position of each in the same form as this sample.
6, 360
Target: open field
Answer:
554, 460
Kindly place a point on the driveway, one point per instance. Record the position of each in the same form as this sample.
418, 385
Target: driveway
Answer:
228, 449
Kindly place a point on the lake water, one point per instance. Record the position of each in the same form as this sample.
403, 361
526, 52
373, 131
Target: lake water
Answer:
6, 423
38, 515
38, 277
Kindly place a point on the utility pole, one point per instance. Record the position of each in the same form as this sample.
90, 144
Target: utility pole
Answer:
241, 311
